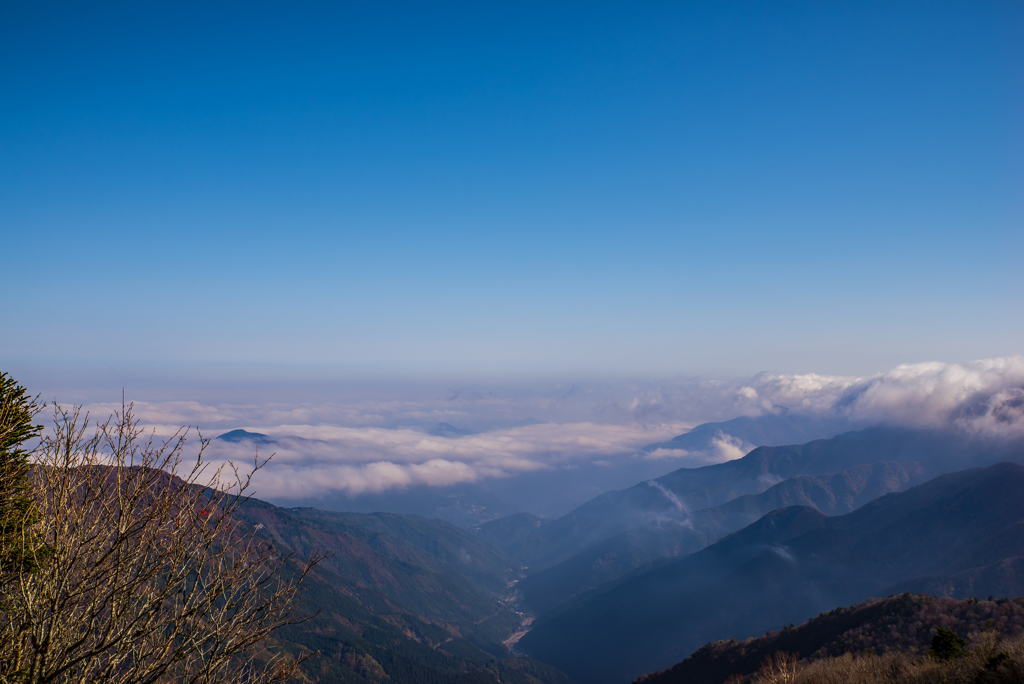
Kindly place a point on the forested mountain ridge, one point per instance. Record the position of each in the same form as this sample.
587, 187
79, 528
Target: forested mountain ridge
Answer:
401, 598
788, 566
611, 558
904, 623
543, 544
428, 566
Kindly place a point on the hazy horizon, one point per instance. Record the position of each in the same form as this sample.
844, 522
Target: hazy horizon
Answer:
523, 439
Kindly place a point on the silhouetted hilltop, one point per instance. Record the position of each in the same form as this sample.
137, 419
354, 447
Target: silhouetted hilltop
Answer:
236, 436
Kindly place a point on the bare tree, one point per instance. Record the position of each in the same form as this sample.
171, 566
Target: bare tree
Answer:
145, 574
778, 668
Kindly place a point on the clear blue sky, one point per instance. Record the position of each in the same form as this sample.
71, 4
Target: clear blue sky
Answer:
511, 188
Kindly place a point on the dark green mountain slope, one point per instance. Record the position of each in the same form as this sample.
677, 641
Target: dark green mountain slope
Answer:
438, 544
903, 623
401, 599
791, 564
610, 558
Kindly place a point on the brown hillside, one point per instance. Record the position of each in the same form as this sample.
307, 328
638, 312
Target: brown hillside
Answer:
903, 623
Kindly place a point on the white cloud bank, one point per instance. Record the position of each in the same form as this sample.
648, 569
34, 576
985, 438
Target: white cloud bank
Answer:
723, 448
981, 396
312, 460
376, 445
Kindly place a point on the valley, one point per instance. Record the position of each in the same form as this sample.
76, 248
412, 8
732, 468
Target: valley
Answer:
636, 579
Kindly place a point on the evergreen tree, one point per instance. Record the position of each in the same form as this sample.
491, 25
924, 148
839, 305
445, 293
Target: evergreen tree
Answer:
946, 645
17, 507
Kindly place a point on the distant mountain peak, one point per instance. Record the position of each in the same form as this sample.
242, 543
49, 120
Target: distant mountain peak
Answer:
446, 430
244, 436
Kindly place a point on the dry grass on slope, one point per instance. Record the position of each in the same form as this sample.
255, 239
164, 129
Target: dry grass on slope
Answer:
989, 659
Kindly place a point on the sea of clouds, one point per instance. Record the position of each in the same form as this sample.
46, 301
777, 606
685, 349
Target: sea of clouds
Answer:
355, 445
985, 396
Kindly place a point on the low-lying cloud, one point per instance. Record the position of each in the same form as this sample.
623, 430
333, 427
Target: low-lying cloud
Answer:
985, 396
722, 448
361, 446
311, 460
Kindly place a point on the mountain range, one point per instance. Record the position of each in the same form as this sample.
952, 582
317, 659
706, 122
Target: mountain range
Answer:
636, 579
608, 559
791, 564
689, 508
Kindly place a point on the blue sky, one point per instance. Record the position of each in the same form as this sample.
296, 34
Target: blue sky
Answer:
510, 188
